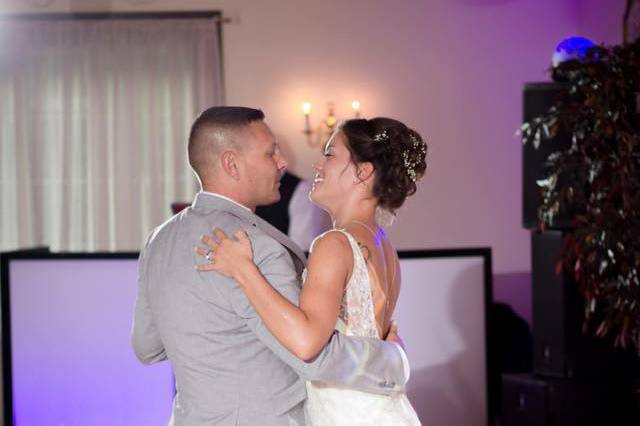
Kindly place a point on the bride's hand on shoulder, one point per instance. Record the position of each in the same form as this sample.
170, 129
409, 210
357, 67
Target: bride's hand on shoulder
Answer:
223, 254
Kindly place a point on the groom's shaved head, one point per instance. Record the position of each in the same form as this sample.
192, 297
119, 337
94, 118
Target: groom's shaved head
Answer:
216, 130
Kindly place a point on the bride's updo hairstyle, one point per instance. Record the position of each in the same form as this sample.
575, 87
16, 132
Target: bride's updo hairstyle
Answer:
397, 153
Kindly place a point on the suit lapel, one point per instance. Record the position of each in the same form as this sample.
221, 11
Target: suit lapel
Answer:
279, 236
297, 254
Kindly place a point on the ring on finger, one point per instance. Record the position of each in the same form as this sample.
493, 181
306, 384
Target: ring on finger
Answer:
209, 255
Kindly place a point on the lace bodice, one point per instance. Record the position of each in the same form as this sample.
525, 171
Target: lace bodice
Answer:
333, 406
356, 310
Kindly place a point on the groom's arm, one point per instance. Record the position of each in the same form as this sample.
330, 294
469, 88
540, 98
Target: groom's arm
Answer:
365, 364
145, 338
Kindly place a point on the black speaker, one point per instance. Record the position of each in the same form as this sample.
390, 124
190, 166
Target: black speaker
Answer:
537, 99
560, 348
529, 400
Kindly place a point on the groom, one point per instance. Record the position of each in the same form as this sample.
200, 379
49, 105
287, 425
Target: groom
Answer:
229, 369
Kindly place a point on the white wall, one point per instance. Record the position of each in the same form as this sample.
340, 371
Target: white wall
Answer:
453, 69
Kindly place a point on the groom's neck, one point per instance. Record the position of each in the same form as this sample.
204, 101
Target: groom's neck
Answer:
226, 192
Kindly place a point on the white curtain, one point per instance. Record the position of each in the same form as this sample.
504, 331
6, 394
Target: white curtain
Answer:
94, 120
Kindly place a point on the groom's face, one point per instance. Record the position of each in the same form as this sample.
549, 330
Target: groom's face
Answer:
263, 165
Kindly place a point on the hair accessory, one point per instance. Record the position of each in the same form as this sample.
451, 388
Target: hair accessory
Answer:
381, 137
410, 165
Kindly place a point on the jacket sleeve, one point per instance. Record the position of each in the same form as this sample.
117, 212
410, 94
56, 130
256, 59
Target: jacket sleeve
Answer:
145, 338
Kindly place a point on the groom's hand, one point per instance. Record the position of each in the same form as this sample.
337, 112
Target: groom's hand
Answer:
393, 336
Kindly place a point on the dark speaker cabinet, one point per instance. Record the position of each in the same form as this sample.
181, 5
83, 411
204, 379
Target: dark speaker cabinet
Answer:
530, 400
537, 99
560, 348
577, 379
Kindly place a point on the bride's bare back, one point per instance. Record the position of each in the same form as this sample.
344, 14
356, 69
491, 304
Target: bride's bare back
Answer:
384, 271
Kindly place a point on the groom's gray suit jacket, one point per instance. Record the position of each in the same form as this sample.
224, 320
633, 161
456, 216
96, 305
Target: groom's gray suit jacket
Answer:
229, 369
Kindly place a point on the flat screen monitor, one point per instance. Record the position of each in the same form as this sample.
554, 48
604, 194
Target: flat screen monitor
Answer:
68, 350
442, 318
66, 321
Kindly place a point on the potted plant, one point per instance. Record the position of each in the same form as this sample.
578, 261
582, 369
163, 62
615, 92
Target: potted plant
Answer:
597, 180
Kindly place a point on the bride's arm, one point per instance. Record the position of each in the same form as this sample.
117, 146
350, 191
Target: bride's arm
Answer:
303, 330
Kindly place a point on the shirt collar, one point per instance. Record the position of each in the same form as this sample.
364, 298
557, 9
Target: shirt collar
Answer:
214, 194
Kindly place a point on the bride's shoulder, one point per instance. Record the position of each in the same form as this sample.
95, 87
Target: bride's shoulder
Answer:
331, 241
331, 248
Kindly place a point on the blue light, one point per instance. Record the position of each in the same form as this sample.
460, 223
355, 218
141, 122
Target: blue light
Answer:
571, 48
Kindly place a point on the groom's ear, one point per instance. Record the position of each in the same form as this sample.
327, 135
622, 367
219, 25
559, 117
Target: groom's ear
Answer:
229, 163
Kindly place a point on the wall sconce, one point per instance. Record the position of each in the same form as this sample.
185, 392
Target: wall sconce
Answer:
326, 126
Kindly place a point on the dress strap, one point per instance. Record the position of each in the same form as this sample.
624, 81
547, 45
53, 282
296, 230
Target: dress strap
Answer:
357, 253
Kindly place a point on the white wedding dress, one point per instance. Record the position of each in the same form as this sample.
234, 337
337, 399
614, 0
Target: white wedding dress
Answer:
331, 406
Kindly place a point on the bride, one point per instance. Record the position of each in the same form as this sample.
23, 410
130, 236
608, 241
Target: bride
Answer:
352, 280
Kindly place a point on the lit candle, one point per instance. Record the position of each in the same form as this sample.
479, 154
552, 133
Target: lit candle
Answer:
306, 109
356, 108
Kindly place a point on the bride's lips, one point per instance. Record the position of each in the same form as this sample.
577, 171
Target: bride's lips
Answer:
316, 180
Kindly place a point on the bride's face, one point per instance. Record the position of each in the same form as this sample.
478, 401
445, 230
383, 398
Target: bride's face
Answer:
335, 174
